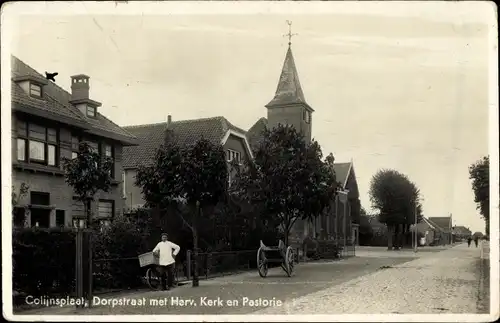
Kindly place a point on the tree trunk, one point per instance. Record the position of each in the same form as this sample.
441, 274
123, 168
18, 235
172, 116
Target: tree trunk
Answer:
196, 281
90, 269
389, 236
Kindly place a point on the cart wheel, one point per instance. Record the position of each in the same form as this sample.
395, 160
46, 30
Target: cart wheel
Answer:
261, 263
153, 278
289, 258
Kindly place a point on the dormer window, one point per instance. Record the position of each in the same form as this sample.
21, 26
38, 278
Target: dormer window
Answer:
35, 90
91, 111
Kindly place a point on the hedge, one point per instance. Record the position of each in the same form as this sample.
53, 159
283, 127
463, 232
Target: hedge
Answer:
44, 259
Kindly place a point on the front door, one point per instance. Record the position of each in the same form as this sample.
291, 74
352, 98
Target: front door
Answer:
40, 218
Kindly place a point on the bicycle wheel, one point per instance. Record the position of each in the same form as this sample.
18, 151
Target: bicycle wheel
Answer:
153, 278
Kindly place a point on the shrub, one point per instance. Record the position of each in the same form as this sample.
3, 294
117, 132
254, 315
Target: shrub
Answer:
43, 261
115, 254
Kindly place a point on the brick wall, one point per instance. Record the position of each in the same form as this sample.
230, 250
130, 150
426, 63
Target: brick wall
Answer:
291, 115
61, 195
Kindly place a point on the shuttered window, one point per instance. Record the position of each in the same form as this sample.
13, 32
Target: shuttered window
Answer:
105, 209
77, 209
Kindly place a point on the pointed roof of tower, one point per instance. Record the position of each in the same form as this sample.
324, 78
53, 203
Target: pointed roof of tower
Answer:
289, 90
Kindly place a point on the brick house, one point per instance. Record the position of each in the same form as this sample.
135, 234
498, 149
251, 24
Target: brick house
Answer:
47, 125
445, 225
436, 230
218, 130
289, 107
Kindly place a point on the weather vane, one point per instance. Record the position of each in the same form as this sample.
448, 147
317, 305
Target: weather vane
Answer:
289, 35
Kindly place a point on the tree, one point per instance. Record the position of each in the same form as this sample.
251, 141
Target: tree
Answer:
397, 199
16, 198
88, 173
195, 176
479, 174
288, 180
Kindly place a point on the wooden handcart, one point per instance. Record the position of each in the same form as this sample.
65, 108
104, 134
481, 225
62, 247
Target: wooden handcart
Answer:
279, 254
151, 262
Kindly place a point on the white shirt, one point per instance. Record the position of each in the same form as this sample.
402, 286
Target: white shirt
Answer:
165, 248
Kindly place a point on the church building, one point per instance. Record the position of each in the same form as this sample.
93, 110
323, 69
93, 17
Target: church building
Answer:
289, 106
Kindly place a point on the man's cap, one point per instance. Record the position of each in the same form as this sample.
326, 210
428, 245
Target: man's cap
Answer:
164, 234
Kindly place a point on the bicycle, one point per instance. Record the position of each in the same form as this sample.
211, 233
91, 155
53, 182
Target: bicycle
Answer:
151, 262
153, 277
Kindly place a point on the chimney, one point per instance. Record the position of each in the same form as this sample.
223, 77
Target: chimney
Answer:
80, 87
169, 120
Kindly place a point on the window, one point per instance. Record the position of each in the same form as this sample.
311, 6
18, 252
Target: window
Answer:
77, 209
90, 111
233, 155
105, 209
108, 152
60, 218
19, 217
37, 144
39, 198
35, 90
75, 142
307, 116
21, 149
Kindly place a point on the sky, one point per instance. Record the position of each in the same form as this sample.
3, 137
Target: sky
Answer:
393, 86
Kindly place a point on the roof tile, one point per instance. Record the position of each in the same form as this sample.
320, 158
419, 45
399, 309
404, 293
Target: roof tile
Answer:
57, 101
185, 133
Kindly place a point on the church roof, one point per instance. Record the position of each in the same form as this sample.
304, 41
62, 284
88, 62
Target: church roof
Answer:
289, 90
342, 171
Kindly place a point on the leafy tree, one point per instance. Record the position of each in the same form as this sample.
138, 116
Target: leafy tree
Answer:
397, 199
195, 176
88, 173
288, 180
17, 197
479, 174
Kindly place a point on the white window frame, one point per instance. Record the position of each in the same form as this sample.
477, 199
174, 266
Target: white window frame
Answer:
93, 109
112, 209
232, 154
35, 88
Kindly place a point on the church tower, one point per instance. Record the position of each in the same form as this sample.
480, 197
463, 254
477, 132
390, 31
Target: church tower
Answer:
289, 105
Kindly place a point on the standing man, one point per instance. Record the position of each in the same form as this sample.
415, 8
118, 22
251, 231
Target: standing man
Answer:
469, 240
166, 251
476, 238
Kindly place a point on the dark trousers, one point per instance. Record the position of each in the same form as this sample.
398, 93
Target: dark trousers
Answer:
475, 241
166, 276
468, 243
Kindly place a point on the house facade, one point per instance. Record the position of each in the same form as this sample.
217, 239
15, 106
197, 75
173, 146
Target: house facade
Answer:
47, 125
436, 230
217, 130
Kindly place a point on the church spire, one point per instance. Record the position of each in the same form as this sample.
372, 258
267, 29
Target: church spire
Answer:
289, 90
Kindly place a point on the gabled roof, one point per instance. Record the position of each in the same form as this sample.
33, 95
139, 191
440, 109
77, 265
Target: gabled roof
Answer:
442, 222
342, 171
56, 105
254, 134
289, 90
184, 133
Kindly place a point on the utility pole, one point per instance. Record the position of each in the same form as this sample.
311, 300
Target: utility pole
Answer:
416, 230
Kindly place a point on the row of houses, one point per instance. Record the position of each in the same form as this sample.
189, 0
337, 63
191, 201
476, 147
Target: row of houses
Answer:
440, 231
48, 122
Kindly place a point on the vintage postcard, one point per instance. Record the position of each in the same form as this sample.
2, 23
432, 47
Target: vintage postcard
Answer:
250, 161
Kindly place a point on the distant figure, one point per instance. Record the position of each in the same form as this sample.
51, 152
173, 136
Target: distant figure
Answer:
476, 238
469, 240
